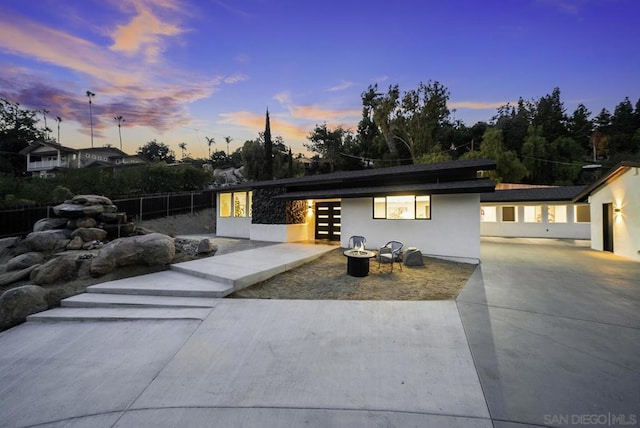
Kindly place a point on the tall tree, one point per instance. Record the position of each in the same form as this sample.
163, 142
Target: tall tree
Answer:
183, 149
550, 117
228, 140
536, 156
18, 129
581, 127
268, 150
508, 167
157, 152
210, 141
327, 143
623, 126
119, 119
253, 160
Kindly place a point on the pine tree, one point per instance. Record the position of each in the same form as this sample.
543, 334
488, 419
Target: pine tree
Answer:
268, 151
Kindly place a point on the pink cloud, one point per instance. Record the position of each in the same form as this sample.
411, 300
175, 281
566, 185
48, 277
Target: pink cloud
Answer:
313, 112
256, 122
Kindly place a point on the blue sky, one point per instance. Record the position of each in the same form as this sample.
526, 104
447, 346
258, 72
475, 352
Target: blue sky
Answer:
183, 70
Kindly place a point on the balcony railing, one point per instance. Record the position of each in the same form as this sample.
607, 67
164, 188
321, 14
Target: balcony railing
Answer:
45, 165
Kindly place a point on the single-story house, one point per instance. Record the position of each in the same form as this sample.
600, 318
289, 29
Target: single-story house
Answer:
615, 210
535, 212
433, 207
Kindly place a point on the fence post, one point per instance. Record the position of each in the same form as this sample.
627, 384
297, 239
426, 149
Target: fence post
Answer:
191, 203
141, 208
167, 205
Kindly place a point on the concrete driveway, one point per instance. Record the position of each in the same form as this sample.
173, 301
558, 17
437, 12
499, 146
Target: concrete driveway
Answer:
545, 334
554, 330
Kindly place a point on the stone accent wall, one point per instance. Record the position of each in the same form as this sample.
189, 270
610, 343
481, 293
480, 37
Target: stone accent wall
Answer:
266, 210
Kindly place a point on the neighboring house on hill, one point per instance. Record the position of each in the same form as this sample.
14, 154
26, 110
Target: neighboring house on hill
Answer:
106, 156
535, 212
43, 158
433, 207
615, 210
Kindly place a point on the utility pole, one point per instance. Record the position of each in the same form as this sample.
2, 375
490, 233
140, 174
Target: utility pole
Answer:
59, 119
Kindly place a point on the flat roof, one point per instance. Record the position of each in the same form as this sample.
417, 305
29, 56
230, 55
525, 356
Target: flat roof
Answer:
538, 194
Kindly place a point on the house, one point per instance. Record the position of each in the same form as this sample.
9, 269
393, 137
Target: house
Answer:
614, 201
44, 157
433, 207
534, 212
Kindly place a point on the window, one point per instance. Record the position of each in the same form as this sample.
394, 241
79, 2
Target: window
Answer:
225, 204
236, 204
582, 214
509, 214
557, 214
488, 214
533, 214
407, 207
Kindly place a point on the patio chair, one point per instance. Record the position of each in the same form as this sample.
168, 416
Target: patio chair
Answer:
357, 241
391, 252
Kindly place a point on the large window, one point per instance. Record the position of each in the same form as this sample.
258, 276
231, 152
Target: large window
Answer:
407, 207
488, 214
509, 214
533, 214
582, 214
557, 214
236, 204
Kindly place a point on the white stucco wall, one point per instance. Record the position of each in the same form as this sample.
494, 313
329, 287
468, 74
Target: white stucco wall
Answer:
623, 193
279, 232
233, 227
453, 231
544, 229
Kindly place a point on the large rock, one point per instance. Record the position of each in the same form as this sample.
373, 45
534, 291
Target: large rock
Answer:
17, 303
75, 223
118, 230
24, 261
76, 211
58, 269
7, 244
49, 224
89, 234
46, 240
152, 249
205, 246
412, 257
16, 275
91, 200
75, 244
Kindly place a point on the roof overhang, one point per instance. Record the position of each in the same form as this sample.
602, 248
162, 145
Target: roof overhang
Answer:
449, 187
613, 174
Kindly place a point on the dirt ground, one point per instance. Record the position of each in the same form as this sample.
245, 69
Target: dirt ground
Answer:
326, 278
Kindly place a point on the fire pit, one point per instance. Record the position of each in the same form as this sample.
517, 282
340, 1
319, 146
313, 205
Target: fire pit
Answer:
358, 261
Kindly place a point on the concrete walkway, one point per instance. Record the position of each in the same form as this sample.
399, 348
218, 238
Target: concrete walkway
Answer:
541, 333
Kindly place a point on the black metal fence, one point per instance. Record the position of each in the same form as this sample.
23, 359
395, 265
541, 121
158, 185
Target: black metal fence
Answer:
19, 221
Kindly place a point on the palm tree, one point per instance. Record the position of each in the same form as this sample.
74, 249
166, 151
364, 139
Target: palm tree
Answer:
91, 94
119, 119
46, 128
210, 141
59, 119
183, 147
228, 140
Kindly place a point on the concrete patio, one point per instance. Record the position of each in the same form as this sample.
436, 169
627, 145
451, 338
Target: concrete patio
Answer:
544, 331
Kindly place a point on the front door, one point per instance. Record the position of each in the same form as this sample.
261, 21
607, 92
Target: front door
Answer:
328, 220
607, 227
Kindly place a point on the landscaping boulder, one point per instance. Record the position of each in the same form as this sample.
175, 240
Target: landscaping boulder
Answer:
17, 303
46, 240
152, 249
57, 269
49, 224
75, 244
205, 246
16, 275
91, 200
24, 261
7, 244
89, 234
118, 230
412, 257
75, 223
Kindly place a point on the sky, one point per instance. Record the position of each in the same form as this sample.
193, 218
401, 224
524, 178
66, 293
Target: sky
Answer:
182, 71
